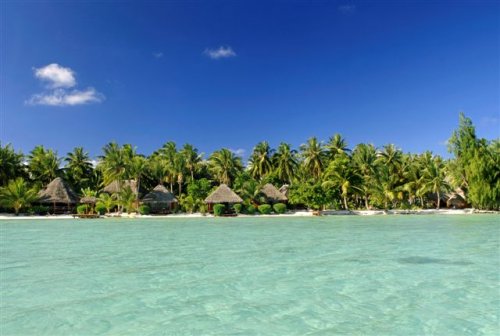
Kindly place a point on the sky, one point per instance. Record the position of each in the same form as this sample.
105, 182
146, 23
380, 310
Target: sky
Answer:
232, 73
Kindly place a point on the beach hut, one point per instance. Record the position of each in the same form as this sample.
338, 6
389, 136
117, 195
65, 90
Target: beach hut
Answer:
59, 195
160, 200
272, 194
285, 188
456, 199
222, 195
90, 201
115, 186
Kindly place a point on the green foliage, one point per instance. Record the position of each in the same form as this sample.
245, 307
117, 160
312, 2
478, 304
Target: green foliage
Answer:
39, 210
237, 208
224, 165
107, 201
82, 209
17, 195
127, 198
265, 209
11, 164
189, 204
100, 208
144, 209
310, 194
250, 209
199, 189
43, 165
279, 208
219, 209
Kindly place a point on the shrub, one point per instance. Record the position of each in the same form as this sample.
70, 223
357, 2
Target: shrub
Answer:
100, 208
279, 208
39, 210
81, 209
237, 208
265, 209
144, 209
250, 209
219, 209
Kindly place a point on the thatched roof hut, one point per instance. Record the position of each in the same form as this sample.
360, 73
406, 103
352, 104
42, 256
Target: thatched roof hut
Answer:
285, 188
223, 194
159, 194
456, 199
57, 192
116, 187
272, 194
160, 200
88, 200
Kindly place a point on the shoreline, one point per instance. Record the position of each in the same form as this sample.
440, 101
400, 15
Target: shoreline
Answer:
304, 213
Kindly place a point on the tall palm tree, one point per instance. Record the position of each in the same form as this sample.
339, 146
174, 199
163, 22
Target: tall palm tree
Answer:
136, 169
113, 163
224, 165
340, 173
260, 162
285, 163
43, 165
16, 195
157, 167
169, 152
336, 145
78, 168
192, 158
11, 164
363, 159
434, 178
179, 168
313, 154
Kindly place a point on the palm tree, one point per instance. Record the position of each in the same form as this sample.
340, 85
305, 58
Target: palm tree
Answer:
260, 161
157, 167
285, 162
137, 167
336, 145
179, 167
127, 199
363, 159
434, 178
224, 165
11, 164
169, 152
17, 195
113, 163
78, 167
341, 174
108, 201
191, 158
43, 165
314, 157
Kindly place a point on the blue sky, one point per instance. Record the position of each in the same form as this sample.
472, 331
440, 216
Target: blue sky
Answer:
233, 73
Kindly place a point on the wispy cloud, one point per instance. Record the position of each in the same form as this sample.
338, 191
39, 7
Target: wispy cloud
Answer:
347, 9
59, 79
61, 97
239, 151
158, 54
221, 52
56, 76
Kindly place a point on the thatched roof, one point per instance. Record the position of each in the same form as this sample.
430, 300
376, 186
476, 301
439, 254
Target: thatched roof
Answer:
285, 188
272, 194
114, 187
159, 194
223, 194
88, 200
57, 191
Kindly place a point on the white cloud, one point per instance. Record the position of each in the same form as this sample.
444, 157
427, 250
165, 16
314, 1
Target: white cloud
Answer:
56, 76
61, 97
158, 54
239, 151
57, 93
221, 52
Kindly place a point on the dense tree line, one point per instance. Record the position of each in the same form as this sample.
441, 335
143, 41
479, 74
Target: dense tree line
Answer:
319, 175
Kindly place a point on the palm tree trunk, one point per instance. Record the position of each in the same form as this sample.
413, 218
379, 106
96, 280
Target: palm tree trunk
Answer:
438, 199
422, 201
345, 203
366, 203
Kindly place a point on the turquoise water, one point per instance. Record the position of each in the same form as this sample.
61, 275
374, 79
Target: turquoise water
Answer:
383, 275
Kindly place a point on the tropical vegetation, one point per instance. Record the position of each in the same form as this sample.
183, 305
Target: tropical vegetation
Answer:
318, 174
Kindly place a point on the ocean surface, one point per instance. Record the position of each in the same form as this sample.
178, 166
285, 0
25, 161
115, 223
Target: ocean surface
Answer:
336, 275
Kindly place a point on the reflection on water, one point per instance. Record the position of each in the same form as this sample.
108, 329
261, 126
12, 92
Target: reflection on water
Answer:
427, 260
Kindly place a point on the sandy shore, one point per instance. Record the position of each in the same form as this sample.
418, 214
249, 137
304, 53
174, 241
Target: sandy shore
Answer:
289, 214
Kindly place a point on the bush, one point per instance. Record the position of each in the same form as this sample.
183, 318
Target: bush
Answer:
265, 209
279, 208
39, 210
219, 209
100, 209
250, 209
237, 208
144, 209
82, 209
